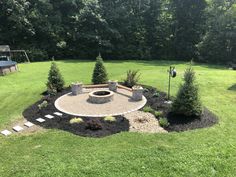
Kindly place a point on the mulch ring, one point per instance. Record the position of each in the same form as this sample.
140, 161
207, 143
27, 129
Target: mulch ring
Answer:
90, 127
156, 100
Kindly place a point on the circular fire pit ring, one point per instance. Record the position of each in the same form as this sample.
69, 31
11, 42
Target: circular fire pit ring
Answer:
100, 96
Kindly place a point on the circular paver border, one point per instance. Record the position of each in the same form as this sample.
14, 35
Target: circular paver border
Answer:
97, 115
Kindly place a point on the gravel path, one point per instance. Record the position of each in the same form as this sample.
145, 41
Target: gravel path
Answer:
143, 122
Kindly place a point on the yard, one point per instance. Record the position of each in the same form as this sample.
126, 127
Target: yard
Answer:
51, 152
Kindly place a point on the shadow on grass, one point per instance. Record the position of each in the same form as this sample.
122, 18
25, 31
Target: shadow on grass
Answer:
232, 88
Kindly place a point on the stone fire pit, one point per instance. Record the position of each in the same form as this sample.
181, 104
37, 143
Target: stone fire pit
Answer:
100, 96
97, 101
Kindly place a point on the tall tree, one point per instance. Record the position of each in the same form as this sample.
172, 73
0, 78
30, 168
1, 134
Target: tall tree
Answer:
219, 43
189, 20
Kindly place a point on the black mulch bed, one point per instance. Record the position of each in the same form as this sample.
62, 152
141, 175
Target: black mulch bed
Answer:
97, 127
91, 127
156, 99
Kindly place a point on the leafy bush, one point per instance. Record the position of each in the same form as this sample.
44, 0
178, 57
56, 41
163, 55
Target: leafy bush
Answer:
158, 113
44, 104
36, 55
163, 122
132, 78
55, 79
99, 72
110, 118
148, 109
187, 101
94, 125
76, 120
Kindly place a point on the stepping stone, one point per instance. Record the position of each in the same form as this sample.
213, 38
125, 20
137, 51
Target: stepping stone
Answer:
49, 116
6, 132
28, 124
40, 120
58, 114
17, 128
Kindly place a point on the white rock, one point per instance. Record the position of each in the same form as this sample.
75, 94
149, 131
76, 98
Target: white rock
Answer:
49, 116
168, 102
17, 128
28, 124
40, 120
6, 132
58, 114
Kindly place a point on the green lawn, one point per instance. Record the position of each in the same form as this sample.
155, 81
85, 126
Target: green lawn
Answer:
202, 152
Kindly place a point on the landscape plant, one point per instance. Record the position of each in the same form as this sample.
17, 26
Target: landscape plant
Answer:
148, 109
132, 78
55, 80
99, 73
44, 104
110, 119
164, 122
94, 125
158, 113
187, 102
76, 120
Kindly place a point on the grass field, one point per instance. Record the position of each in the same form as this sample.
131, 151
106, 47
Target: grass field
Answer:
202, 152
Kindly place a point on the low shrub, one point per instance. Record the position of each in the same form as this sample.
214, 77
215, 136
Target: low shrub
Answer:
132, 78
148, 109
94, 125
164, 122
76, 120
110, 119
44, 104
158, 113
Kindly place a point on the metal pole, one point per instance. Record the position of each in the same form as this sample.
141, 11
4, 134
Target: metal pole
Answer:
169, 84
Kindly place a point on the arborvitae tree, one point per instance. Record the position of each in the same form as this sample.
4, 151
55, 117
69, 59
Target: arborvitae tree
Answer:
55, 79
187, 101
99, 72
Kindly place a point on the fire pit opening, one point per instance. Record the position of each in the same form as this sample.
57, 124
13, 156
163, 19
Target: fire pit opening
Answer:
102, 93
100, 96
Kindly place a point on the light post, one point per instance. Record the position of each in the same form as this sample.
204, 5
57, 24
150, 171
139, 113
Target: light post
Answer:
172, 74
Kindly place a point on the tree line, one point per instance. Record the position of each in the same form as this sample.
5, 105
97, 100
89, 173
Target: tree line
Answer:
203, 30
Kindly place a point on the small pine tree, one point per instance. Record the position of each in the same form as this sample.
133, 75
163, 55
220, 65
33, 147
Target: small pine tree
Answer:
55, 79
99, 72
187, 101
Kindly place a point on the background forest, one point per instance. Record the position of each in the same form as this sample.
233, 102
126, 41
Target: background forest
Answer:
121, 29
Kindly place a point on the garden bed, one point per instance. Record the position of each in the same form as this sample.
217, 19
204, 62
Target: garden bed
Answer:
156, 100
63, 123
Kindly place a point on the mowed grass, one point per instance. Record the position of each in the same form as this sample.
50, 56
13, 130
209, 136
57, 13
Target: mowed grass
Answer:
202, 152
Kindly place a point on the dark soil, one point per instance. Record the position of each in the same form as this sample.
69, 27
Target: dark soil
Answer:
156, 100
91, 127
97, 127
